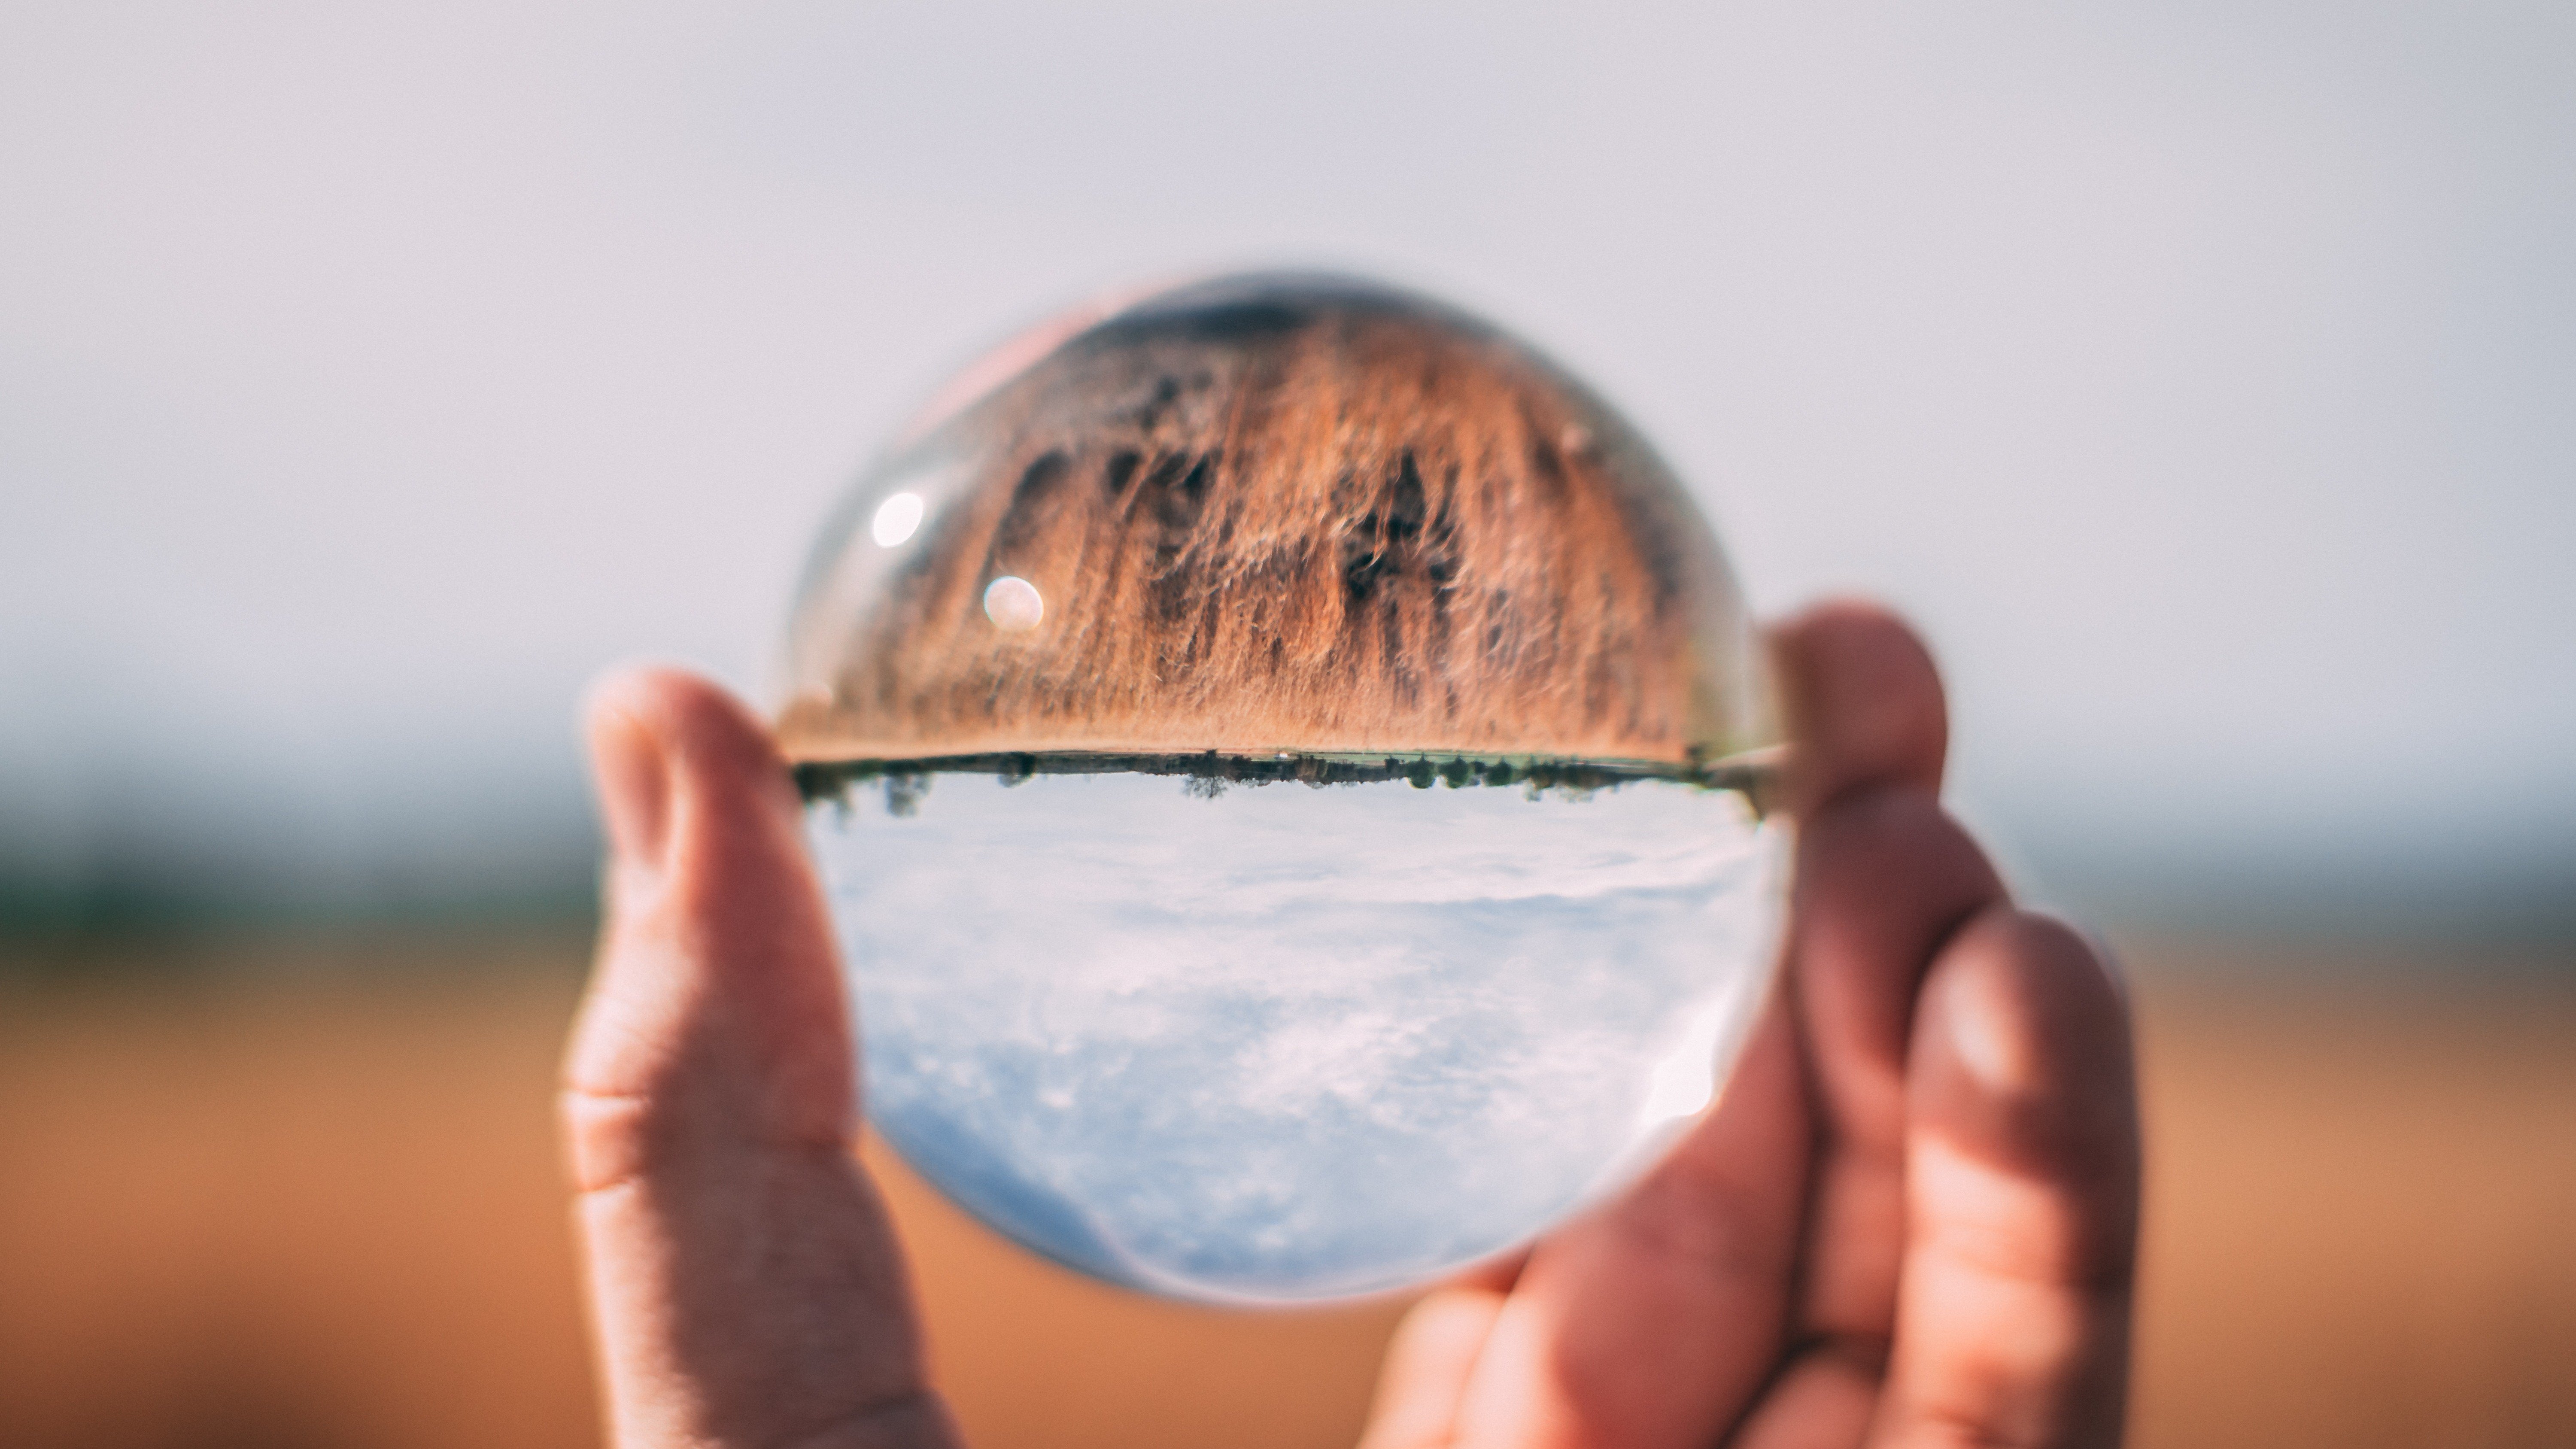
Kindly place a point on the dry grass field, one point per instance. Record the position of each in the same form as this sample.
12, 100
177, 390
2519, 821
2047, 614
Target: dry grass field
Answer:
302, 1195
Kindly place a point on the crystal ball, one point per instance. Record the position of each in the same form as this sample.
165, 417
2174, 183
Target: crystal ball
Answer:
1288, 765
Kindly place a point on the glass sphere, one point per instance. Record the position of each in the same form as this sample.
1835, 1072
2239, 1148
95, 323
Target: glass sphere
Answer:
1288, 766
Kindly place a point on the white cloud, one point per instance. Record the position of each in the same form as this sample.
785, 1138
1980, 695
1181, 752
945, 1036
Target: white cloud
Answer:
1262, 1045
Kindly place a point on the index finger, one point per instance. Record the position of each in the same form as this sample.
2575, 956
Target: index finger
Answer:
1864, 705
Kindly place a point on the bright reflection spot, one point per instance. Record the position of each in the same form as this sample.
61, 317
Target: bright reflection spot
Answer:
895, 520
1683, 1083
1012, 603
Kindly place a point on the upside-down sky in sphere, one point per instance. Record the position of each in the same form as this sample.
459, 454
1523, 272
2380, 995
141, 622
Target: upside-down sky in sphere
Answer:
1292, 1042
2196, 374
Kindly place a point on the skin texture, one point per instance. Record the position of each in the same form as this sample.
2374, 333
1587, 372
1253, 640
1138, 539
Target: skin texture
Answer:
1910, 1221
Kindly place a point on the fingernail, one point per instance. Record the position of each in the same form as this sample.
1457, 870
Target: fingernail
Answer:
634, 777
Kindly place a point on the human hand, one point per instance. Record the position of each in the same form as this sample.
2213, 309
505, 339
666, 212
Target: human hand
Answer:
1908, 1222
746, 1288
1911, 1220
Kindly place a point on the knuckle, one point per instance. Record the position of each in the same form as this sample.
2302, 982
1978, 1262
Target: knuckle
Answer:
607, 1136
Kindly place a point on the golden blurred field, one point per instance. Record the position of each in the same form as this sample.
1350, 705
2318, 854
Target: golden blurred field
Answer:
290, 1194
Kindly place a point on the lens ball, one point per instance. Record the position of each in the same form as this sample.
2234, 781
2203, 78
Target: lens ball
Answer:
1289, 767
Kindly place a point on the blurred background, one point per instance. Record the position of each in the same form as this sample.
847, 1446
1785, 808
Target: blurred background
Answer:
2199, 377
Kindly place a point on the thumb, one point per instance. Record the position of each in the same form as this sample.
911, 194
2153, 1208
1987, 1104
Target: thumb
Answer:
745, 1285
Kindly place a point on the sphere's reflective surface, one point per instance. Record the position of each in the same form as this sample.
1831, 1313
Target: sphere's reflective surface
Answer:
1285, 764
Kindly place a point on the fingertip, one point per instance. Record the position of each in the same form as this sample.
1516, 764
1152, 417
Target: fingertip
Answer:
1862, 699
631, 772
1449, 1324
2025, 1000
711, 760
2023, 1058
708, 732
1429, 1362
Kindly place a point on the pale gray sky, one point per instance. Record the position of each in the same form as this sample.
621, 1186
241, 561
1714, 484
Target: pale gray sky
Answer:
2200, 375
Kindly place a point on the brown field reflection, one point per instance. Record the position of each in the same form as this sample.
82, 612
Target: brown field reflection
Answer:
255, 1198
